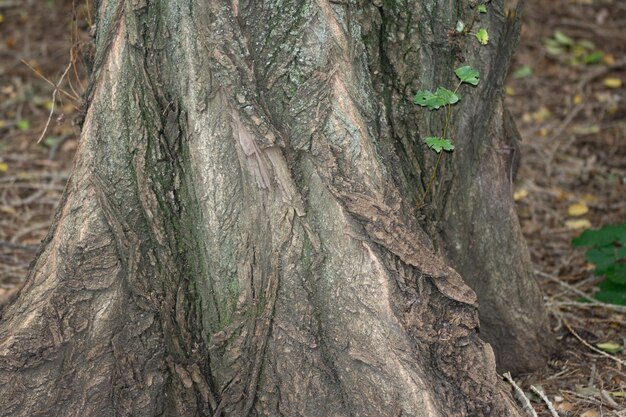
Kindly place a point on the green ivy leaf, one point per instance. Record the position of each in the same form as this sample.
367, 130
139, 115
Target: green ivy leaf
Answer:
562, 39
602, 258
23, 124
612, 293
435, 100
438, 144
482, 8
482, 36
616, 273
593, 58
446, 95
467, 74
608, 253
428, 99
601, 237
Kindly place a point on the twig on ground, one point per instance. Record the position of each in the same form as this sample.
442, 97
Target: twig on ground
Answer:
595, 349
520, 396
592, 400
545, 400
591, 301
609, 401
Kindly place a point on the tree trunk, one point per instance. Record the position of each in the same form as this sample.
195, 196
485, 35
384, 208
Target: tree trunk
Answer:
239, 234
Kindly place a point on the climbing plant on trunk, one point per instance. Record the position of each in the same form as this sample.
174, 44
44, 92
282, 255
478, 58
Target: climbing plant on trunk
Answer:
239, 236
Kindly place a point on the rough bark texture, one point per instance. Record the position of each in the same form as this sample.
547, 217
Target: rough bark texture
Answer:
470, 215
239, 234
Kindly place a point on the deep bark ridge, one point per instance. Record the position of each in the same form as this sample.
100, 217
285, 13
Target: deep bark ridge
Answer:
238, 236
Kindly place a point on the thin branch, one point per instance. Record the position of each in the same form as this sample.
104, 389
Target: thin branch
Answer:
54, 99
521, 397
595, 349
56, 87
545, 400
609, 401
592, 301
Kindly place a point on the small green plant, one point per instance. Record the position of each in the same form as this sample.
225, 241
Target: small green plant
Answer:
443, 97
577, 52
607, 251
466, 29
524, 71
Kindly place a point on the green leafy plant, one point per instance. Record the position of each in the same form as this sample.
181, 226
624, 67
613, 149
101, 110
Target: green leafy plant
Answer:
524, 71
442, 97
482, 36
577, 52
607, 251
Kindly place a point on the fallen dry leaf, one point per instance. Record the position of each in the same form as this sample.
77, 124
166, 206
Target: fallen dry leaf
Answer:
577, 209
565, 406
612, 82
577, 224
520, 194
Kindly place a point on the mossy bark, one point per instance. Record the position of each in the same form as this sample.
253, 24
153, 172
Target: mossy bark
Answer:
239, 235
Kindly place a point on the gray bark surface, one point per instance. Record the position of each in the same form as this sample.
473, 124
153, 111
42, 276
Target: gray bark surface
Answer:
239, 234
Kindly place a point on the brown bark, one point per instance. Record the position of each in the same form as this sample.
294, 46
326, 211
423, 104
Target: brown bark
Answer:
238, 237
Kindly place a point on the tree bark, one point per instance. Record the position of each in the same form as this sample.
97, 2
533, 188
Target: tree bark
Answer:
239, 234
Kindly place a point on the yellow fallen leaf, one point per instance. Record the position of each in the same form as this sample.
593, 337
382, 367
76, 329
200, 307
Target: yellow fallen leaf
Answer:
520, 194
542, 114
585, 130
578, 209
8, 210
23, 175
612, 82
577, 224
610, 347
1, 18
590, 413
619, 394
578, 99
605, 97
4, 167
608, 59
509, 91
543, 132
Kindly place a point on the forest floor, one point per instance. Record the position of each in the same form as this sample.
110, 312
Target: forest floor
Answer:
566, 92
